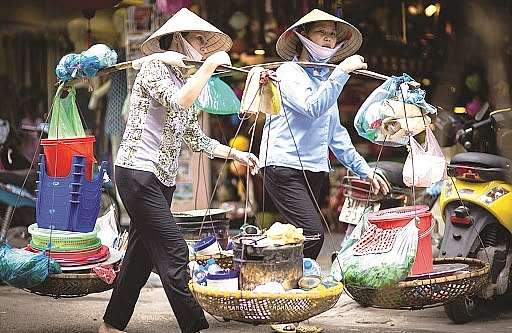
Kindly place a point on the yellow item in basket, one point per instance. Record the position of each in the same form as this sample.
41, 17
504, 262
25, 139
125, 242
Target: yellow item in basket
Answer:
283, 234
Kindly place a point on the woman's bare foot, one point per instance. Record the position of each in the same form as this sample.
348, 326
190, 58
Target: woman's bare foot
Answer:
106, 328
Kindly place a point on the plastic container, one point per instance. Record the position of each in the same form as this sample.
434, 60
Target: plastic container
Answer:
59, 155
225, 280
207, 246
310, 267
399, 217
69, 203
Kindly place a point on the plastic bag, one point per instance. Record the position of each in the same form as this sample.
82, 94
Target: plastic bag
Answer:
24, 269
65, 120
424, 165
95, 58
108, 228
68, 67
260, 93
400, 121
387, 102
376, 258
217, 97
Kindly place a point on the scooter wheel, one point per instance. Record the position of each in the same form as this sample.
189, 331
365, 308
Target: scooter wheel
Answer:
461, 310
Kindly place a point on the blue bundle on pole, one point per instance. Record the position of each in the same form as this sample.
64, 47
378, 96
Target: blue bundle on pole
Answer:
68, 67
95, 58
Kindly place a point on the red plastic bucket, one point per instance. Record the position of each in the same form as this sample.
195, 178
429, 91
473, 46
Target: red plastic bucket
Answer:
399, 217
59, 155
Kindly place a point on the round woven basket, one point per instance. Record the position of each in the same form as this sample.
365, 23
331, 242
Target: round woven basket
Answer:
417, 294
67, 285
265, 308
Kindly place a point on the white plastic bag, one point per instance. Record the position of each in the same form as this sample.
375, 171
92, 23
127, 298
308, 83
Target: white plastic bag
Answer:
108, 227
425, 165
375, 258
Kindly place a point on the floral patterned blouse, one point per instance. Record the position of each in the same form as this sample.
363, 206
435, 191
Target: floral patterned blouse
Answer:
157, 125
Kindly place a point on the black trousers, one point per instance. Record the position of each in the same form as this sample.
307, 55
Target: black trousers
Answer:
154, 241
295, 199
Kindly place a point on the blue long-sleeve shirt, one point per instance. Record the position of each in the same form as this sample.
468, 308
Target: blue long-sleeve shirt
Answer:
309, 123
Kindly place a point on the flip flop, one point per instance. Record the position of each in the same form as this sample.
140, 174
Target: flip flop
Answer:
283, 328
301, 328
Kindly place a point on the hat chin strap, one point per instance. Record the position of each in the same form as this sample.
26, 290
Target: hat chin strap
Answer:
318, 53
186, 48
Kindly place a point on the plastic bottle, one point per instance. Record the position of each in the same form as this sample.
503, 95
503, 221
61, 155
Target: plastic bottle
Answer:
212, 267
311, 267
200, 275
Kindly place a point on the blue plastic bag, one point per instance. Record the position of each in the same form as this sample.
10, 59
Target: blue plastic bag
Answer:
95, 58
24, 269
68, 67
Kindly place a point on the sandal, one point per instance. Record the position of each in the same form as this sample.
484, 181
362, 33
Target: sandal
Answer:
301, 328
283, 328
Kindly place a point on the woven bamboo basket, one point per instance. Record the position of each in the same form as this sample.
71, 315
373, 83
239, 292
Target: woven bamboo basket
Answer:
418, 294
265, 308
68, 285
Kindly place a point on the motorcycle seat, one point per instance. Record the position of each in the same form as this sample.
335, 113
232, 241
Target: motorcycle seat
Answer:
483, 160
391, 171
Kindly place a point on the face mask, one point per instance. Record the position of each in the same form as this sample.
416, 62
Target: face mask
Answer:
316, 52
186, 48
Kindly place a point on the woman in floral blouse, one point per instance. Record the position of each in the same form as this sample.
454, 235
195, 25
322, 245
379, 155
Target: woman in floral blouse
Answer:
162, 116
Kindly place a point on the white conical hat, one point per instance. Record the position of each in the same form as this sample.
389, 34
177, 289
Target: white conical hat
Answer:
345, 31
185, 20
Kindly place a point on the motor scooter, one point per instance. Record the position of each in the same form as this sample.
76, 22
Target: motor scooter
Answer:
475, 203
358, 198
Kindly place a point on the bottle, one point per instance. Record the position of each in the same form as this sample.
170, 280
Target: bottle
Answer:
200, 275
310, 267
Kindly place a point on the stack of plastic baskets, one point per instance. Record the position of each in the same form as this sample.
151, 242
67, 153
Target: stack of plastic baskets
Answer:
69, 203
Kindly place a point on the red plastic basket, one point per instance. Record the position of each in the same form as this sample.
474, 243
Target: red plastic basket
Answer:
399, 217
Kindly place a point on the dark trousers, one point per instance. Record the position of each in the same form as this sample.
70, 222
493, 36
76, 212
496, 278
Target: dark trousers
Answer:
154, 241
295, 199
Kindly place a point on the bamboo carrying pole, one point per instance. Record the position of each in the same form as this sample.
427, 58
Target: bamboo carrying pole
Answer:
224, 70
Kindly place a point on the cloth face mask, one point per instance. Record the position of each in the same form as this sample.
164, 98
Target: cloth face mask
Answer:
316, 52
187, 49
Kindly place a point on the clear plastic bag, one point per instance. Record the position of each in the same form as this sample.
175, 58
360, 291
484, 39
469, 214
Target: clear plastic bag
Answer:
261, 94
373, 120
65, 119
217, 97
375, 258
24, 269
424, 165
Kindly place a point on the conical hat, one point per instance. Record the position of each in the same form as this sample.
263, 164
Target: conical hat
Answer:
185, 20
345, 31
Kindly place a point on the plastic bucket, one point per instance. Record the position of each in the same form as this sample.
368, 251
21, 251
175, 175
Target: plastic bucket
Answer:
399, 217
59, 155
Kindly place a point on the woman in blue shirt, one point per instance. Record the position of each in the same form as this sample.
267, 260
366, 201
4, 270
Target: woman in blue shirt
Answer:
295, 144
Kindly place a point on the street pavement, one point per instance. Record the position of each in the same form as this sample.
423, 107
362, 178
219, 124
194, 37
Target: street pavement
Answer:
23, 312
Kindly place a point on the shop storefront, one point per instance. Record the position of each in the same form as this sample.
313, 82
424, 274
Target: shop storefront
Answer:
458, 50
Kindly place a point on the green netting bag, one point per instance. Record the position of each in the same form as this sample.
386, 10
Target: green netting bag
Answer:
217, 97
65, 120
24, 269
